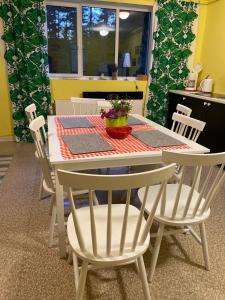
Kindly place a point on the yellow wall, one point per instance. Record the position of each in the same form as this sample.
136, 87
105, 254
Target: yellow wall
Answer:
5, 107
212, 54
64, 89
202, 16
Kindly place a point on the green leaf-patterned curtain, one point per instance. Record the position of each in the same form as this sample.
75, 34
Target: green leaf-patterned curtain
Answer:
173, 39
27, 60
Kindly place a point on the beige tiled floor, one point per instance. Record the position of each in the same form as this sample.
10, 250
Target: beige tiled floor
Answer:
8, 148
30, 270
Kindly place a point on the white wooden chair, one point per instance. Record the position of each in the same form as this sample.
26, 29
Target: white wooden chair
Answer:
113, 234
84, 106
184, 110
103, 104
187, 126
36, 128
30, 111
185, 205
31, 114
190, 128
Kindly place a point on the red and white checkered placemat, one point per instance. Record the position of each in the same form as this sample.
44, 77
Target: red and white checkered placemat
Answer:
127, 145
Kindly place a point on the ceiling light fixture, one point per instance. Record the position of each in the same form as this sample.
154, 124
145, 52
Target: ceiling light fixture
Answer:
124, 15
103, 32
103, 29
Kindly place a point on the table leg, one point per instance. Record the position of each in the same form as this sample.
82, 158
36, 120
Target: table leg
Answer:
60, 217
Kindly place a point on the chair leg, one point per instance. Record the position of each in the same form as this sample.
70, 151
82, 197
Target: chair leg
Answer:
41, 190
136, 265
76, 270
70, 256
52, 203
155, 253
82, 281
142, 273
52, 226
95, 200
204, 245
150, 247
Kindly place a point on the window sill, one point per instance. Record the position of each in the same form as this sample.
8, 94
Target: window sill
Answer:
91, 78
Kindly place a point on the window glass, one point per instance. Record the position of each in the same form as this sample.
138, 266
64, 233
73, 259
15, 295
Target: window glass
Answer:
99, 26
62, 39
133, 43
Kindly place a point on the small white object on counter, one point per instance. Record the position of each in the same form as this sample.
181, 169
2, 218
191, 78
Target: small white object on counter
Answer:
206, 85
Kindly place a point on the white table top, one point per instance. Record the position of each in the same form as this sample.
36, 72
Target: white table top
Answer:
115, 160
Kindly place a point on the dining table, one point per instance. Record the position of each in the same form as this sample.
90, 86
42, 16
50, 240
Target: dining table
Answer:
130, 151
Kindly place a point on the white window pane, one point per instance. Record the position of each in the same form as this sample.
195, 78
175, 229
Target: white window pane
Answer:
99, 26
62, 39
133, 43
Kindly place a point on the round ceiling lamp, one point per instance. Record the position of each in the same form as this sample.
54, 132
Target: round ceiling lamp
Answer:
124, 15
103, 29
103, 32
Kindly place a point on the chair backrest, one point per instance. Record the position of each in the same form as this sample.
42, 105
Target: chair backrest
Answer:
197, 200
30, 111
37, 129
184, 110
103, 104
85, 106
110, 183
187, 126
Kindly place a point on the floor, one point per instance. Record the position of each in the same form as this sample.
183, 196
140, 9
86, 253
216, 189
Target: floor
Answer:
4, 166
30, 270
7, 150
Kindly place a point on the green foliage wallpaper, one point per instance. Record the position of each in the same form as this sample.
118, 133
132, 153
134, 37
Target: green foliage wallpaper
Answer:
173, 39
27, 60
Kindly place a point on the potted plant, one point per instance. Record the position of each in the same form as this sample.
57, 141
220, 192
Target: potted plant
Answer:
118, 114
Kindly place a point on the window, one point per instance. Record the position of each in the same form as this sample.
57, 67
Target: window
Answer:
99, 26
62, 39
133, 44
89, 40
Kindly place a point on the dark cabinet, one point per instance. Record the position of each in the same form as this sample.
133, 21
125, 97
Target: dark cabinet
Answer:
213, 113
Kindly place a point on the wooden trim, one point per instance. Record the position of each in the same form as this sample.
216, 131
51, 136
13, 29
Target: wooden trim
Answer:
7, 139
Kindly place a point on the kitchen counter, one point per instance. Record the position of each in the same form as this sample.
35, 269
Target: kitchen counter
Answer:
219, 98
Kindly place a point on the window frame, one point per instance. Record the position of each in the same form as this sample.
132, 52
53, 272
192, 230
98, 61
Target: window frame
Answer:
117, 7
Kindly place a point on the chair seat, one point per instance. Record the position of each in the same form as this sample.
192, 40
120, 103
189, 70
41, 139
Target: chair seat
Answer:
101, 212
171, 192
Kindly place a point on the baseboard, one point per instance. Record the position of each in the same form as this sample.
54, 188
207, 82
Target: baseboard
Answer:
7, 139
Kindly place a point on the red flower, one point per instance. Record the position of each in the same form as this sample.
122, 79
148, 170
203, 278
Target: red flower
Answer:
120, 108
